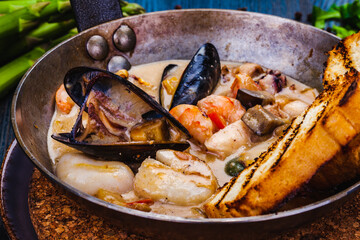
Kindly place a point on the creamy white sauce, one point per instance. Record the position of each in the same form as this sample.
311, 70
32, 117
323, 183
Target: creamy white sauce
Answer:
60, 123
150, 75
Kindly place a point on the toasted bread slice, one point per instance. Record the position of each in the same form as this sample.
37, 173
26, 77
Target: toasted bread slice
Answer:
345, 165
312, 140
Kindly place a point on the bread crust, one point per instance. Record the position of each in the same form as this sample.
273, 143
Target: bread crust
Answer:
323, 132
345, 165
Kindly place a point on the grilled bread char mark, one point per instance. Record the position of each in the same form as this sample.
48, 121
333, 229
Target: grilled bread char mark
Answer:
345, 165
313, 139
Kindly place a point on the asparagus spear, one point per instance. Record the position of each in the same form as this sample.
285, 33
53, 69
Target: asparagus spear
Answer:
14, 70
11, 6
45, 32
131, 8
70, 34
30, 16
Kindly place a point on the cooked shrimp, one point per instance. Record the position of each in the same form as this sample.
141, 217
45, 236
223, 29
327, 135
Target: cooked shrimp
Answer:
243, 80
175, 177
221, 110
63, 100
196, 122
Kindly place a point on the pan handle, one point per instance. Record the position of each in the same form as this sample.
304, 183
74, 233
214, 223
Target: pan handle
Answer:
89, 13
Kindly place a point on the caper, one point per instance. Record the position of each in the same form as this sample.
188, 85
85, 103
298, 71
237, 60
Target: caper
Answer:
234, 167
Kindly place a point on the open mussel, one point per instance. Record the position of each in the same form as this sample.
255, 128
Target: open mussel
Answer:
200, 76
113, 127
198, 80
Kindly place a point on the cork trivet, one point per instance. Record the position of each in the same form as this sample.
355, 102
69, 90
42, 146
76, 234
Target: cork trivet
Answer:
55, 216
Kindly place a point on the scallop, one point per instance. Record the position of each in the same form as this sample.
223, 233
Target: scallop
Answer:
227, 140
89, 175
295, 108
175, 177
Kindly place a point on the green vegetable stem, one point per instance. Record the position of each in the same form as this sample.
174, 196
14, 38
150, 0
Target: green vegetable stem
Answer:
11, 6
45, 32
28, 28
13, 71
30, 16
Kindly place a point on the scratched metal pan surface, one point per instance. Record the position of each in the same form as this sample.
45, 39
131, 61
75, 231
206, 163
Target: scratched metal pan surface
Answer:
296, 49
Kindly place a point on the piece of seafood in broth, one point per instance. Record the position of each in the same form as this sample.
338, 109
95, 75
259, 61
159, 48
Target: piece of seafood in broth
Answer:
115, 128
89, 175
175, 177
200, 76
198, 80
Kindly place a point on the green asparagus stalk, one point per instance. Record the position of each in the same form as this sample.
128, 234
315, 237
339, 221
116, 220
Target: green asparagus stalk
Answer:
16, 37
59, 40
13, 71
61, 17
30, 16
19, 20
44, 33
129, 9
11, 6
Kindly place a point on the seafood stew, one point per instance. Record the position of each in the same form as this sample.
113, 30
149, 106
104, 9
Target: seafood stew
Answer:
241, 110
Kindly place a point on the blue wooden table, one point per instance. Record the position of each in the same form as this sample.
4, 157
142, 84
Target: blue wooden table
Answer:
282, 8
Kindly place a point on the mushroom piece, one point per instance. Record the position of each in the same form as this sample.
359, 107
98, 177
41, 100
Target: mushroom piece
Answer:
250, 98
260, 120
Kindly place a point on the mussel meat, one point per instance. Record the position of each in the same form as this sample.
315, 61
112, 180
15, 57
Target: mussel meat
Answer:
200, 76
167, 86
164, 92
115, 128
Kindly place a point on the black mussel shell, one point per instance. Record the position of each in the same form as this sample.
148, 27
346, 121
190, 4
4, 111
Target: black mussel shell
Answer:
200, 76
74, 85
79, 82
123, 151
151, 115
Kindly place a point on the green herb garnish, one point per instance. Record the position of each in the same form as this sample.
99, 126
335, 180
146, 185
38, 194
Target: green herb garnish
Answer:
346, 18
